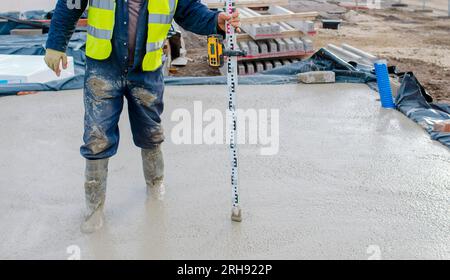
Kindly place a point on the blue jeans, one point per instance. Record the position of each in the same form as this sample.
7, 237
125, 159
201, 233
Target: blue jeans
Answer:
107, 82
104, 92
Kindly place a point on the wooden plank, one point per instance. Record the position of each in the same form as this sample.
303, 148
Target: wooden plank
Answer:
305, 26
278, 18
248, 3
279, 55
258, 31
26, 32
283, 34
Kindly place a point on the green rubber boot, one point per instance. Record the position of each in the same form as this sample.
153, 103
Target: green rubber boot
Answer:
95, 192
153, 164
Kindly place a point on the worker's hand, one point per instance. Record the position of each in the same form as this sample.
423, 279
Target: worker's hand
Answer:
233, 19
53, 60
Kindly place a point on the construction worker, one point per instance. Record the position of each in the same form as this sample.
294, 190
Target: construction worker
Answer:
124, 53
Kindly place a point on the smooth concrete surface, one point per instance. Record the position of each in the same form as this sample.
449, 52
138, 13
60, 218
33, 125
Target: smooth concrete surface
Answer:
351, 180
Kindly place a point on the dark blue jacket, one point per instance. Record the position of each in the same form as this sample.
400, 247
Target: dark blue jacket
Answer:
190, 14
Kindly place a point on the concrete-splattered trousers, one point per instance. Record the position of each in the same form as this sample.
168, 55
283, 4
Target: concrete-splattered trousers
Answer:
105, 90
109, 82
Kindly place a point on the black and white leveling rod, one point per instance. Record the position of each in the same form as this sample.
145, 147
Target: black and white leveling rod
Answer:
232, 81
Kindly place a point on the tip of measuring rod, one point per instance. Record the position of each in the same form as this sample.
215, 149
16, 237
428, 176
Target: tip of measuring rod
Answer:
236, 214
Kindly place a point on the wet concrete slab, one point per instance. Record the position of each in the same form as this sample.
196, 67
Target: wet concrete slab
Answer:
350, 180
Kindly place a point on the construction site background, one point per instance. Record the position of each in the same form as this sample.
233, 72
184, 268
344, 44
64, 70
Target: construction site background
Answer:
412, 40
26, 5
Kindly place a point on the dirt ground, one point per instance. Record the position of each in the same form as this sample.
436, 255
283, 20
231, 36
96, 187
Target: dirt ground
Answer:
417, 42
196, 51
412, 41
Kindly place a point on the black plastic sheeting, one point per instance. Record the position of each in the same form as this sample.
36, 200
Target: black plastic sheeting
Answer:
413, 101
320, 61
35, 45
6, 27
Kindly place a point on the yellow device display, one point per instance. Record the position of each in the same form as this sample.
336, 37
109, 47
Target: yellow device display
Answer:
217, 53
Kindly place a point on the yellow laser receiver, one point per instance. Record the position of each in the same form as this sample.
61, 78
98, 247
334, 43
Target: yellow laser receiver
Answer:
216, 51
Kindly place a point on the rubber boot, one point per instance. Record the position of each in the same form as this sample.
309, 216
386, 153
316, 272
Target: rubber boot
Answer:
153, 163
95, 191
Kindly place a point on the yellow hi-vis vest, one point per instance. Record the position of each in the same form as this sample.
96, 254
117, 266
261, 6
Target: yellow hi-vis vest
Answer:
101, 19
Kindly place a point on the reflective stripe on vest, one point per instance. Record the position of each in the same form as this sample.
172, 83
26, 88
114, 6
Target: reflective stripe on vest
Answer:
99, 33
100, 29
103, 4
154, 46
164, 19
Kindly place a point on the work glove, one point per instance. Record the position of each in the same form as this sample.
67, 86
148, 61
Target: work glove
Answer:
53, 60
